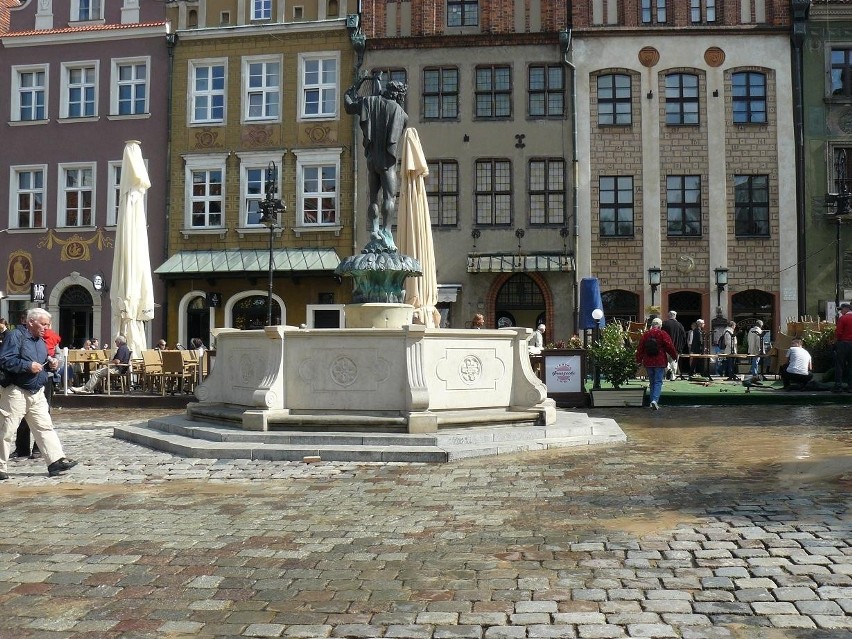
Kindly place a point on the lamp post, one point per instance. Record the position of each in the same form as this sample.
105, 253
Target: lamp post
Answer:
655, 275
271, 207
721, 283
597, 315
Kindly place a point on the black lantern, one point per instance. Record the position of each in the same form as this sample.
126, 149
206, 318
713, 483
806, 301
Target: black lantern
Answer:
655, 276
721, 283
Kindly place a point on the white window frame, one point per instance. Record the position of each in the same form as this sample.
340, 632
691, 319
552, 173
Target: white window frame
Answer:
14, 171
62, 190
193, 94
261, 10
264, 90
321, 87
65, 88
113, 192
116, 83
18, 90
311, 309
96, 10
316, 158
255, 160
206, 162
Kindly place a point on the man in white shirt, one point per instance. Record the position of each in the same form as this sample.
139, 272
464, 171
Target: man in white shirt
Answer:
798, 368
536, 341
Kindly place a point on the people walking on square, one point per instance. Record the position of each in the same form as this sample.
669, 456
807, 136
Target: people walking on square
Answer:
843, 347
24, 358
677, 333
117, 366
728, 351
696, 347
797, 369
655, 346
755, 348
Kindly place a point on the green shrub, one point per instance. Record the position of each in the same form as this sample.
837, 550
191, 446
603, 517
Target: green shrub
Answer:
614, 356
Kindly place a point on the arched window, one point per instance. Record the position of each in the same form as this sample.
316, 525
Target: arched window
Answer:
250, 312
197, 321
520, 303
621, 305
752, 305
76, 323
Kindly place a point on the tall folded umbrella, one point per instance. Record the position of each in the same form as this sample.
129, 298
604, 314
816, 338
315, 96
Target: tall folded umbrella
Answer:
414, 231
132, 289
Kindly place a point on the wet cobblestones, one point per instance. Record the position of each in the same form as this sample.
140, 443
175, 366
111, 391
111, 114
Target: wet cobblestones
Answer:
689, 530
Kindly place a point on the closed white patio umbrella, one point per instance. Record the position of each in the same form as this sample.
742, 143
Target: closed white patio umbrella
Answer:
132, 289
414, 231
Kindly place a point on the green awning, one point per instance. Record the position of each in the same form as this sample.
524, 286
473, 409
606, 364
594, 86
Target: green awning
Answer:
241, 261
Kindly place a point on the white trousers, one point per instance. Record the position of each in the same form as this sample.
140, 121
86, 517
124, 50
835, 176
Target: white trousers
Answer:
17, 403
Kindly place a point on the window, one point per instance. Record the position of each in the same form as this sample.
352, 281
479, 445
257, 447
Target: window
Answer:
130, 87
653, 11
683, 200
749, 97
76, 191
841, 72
681, 98
317, 175
546, 91
441, 93
547, 191
462, 13
751, 197
205, 191
442, 192
261, 77
253, 166
493, 92
79, 90
114, 193
85, 10
261, 9
615, 102
29, 96
493, 192
207, 91
616, 205
27, 198
709, 11
319, 86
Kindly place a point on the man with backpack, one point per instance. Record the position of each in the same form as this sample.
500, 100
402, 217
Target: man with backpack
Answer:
654, 347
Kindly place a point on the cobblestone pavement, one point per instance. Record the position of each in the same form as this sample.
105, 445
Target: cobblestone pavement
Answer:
707, 523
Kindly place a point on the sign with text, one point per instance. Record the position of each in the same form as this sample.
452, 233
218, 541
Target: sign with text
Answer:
563, 374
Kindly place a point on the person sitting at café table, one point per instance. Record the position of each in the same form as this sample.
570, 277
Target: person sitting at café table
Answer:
161, 346
116, 366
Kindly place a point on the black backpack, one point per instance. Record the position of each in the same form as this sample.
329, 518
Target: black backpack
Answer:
722, 341
652, 348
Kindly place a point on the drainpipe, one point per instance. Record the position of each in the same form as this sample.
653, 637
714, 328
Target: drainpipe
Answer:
565, 41
171, 41
800, 10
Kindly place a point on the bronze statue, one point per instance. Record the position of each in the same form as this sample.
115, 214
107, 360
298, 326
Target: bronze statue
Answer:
383, 120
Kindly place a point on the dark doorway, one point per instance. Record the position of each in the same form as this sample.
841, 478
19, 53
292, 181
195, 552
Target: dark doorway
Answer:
622, 306
752, 305
197, 321
76, 318
688, 307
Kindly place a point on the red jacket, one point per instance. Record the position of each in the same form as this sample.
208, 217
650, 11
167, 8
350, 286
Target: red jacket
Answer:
665, 347
52, 339
843, 330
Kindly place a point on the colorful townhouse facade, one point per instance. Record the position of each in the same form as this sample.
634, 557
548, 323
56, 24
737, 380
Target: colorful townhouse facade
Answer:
78, 80
687, 160
257, 92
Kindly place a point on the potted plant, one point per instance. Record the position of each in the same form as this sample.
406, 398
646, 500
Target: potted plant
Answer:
614, 357
821, 347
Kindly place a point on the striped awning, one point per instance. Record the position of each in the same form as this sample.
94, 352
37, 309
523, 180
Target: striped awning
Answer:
515, 263
240, 261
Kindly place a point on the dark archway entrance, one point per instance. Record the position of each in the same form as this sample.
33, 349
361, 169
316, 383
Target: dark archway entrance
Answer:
197, 321
76, 319
752, 305
621, 305
688, 305
520, 302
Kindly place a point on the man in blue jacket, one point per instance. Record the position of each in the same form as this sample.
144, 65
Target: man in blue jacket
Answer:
28, 367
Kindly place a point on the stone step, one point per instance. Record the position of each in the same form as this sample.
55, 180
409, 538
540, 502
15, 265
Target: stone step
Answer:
181, 436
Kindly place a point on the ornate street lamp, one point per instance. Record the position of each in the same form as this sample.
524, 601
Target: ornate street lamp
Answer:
721, 283
270, 207
655, 276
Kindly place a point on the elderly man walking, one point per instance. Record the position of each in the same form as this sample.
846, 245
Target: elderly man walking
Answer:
27, 365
